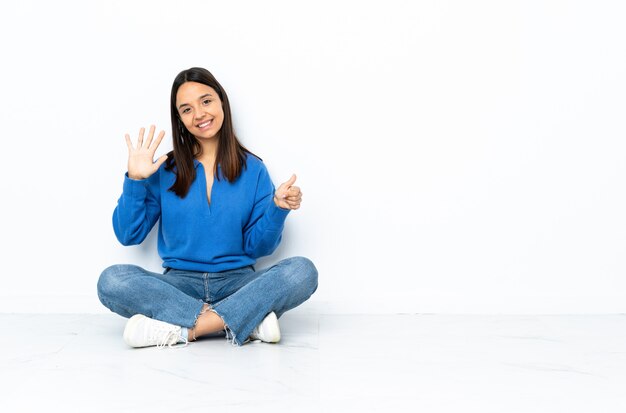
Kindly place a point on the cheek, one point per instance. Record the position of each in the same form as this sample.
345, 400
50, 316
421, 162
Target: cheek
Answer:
187, 122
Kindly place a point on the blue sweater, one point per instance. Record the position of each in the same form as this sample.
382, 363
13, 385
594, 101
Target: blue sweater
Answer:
241, 224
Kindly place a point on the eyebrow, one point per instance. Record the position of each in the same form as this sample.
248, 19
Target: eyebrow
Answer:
200, 98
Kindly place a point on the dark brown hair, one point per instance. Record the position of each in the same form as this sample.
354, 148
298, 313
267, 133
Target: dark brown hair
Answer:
231, 154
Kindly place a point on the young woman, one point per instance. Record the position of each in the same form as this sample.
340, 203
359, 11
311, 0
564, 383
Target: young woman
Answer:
218, 212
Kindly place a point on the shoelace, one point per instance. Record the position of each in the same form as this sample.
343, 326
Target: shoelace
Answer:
166, 341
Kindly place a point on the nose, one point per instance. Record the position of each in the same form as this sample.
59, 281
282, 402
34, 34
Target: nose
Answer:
199, 113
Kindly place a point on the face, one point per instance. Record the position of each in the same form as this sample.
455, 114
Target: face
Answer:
200, 109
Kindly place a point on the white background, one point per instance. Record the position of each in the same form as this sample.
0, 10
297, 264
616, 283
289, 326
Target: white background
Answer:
455, 156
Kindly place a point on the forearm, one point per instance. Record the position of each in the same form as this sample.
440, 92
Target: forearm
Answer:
133, 217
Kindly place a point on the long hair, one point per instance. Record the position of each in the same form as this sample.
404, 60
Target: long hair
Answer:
231, 154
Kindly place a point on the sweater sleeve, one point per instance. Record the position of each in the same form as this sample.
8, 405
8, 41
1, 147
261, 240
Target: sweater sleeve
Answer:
263, 232
137, 210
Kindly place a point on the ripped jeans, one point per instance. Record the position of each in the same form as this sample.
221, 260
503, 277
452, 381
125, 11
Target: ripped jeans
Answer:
241, 297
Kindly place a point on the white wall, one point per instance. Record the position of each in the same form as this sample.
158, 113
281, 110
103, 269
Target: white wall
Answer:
454, 156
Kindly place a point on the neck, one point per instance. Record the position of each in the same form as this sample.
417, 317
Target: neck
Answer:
209, 151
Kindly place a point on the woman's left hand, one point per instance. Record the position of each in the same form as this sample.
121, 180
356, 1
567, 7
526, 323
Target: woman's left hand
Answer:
288, 196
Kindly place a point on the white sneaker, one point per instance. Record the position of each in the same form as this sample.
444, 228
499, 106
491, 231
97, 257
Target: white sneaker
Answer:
268, 331
142, 331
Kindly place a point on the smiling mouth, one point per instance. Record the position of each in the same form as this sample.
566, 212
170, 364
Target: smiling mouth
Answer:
205, 124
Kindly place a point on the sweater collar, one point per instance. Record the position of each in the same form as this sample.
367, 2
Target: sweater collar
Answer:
196, 163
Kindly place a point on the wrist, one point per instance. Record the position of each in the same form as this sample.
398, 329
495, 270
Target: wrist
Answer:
135, 177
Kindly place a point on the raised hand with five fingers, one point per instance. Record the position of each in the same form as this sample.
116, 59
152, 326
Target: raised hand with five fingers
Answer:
288, 196
141, 158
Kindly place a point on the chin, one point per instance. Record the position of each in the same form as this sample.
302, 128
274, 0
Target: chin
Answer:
207, 136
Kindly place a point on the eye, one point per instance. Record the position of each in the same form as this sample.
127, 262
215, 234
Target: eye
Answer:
206, 101
186, 110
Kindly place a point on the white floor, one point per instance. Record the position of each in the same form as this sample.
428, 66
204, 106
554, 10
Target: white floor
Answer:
387, 363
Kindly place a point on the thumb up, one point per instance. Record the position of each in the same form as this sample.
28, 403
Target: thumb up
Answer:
288, 196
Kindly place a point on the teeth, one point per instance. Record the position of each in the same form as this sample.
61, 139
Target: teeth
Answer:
202, 125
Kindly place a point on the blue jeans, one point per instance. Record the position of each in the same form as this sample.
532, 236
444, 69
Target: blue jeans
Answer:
241, 297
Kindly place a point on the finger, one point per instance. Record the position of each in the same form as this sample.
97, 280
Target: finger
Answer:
294, 190
140, 138
150, 137
291, 181
282, 192
157, 142
160, 161
128, 142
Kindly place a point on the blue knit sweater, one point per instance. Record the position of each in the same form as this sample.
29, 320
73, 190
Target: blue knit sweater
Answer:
240, 224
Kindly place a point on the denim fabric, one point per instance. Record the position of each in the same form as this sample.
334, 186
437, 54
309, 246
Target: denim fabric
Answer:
241, 297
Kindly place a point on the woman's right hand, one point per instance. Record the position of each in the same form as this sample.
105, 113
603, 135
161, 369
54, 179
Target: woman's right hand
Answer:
140, 158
